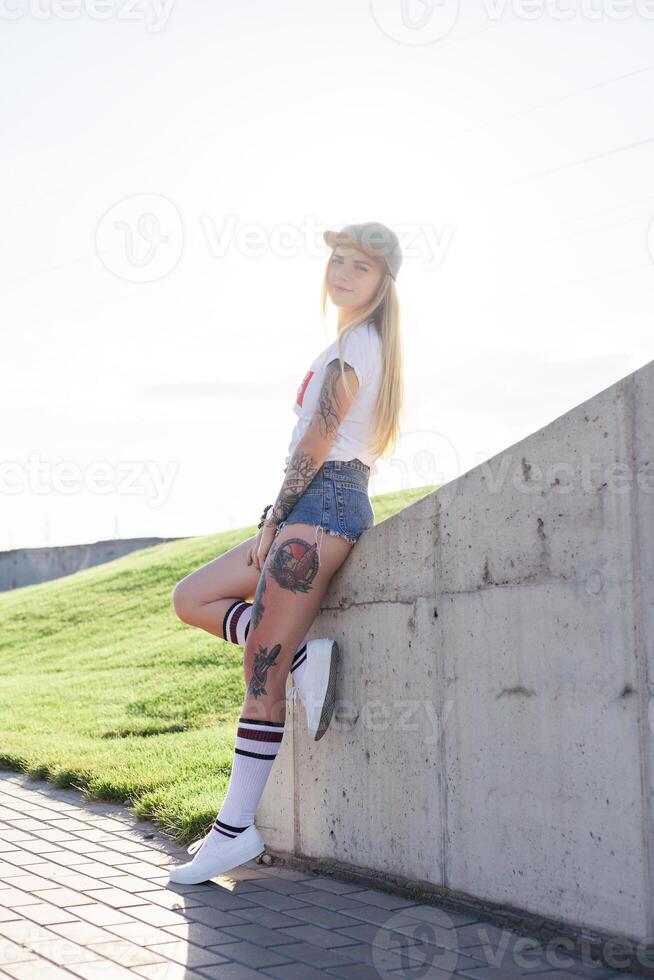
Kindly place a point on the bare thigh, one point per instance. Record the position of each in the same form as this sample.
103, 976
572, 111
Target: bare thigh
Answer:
294, 579
203, 597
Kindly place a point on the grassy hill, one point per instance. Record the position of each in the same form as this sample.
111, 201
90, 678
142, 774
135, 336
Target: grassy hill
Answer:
103, 688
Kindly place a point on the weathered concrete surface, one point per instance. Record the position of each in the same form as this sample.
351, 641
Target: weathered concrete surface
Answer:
26, 566
493, 733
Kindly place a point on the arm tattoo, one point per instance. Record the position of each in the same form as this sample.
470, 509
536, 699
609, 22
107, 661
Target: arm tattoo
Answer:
300, 472
302, 466
328, 402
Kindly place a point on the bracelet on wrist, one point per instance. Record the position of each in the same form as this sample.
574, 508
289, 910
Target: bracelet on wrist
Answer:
265, 517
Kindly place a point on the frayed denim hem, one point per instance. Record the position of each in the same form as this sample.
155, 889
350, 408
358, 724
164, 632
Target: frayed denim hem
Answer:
336, 534
319, 527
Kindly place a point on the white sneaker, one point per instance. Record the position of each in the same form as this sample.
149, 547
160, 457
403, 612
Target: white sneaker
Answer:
217, 853
317, 685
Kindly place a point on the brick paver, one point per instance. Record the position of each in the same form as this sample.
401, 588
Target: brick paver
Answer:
84, 892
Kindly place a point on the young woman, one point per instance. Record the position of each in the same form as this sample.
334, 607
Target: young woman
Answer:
348, 406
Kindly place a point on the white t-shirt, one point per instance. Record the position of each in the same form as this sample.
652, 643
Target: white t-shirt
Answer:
362, 349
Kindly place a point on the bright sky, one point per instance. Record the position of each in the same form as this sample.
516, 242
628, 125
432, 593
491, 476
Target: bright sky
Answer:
166, 175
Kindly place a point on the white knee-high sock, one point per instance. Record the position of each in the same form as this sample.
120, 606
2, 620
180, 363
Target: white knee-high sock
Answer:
257, 745
236, 625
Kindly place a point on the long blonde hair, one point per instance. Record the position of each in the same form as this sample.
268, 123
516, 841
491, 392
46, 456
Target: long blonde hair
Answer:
384, 311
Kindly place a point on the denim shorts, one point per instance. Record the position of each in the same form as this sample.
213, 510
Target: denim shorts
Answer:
336, 500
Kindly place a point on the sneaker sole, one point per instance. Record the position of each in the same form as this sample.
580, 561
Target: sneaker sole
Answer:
330, 694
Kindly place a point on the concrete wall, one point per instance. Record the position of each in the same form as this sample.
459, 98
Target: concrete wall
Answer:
25, 566
493, 735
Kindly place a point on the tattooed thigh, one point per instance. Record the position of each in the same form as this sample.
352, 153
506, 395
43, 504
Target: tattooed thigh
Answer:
293, 564
294, 579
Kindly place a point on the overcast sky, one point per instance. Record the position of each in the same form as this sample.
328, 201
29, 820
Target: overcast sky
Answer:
166, 175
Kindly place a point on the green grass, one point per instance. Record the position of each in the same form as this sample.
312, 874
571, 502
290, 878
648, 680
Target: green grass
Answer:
104, 689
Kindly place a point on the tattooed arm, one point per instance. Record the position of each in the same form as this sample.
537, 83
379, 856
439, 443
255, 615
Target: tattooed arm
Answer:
311, 451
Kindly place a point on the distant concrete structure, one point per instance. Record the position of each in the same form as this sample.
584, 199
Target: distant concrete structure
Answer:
27, 566
493, 736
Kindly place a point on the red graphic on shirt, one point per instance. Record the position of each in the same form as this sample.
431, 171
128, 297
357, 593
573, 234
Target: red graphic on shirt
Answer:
303, 387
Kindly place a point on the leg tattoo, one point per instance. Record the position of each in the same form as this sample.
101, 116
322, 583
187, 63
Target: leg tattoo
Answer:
295, 565
258, 607
263, 659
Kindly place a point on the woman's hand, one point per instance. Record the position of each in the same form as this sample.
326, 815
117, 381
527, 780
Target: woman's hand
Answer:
259, 550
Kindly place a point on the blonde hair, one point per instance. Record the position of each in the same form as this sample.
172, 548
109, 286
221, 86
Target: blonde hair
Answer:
384, 312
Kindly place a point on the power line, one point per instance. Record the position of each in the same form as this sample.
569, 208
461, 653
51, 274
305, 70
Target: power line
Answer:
136, 294
572, 163
606, 275
597, 214
538, 230
559, 98
595, 230
51, 268
553, 284
75, 309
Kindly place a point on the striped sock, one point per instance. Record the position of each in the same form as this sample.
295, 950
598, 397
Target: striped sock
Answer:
236, 625
257, 745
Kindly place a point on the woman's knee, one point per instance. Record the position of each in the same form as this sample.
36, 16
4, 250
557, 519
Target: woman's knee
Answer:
182, 603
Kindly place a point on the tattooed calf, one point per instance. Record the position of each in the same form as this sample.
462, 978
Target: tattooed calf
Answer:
263, 659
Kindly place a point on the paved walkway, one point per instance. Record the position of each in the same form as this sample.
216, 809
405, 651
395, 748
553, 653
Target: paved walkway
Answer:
84, 893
